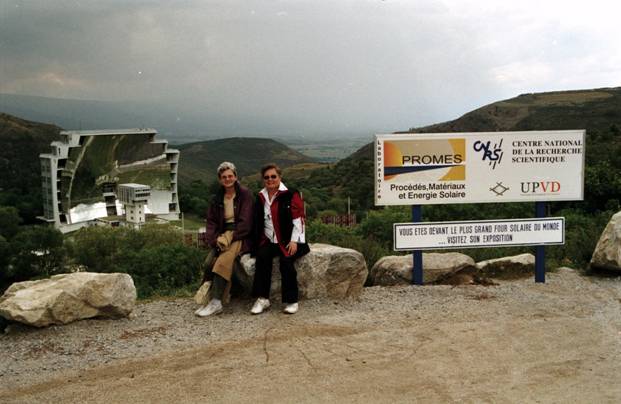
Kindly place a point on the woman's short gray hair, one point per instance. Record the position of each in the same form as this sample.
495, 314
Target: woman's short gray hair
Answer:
226, 165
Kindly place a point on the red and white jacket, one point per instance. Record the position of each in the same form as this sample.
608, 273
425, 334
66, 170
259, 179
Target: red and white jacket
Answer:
272, 227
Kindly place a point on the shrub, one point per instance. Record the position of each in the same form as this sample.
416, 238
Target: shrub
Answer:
98, 248
582, 232
101, 248
154, 256
162, 269
4, 262
36, 251
9, 222
346, 237
318, 232
4, 254
377, 226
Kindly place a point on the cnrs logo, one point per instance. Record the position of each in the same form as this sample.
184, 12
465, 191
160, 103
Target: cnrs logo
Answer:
490, 152
541, 187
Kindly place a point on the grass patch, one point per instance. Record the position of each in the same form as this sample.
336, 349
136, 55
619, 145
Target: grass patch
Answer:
190, 222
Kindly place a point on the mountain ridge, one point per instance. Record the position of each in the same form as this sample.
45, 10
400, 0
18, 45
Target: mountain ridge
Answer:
538, 111
247, 153
596, 110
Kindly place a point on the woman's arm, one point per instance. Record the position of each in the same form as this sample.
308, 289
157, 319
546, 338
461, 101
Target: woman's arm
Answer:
212, 225
243, 225
297, 214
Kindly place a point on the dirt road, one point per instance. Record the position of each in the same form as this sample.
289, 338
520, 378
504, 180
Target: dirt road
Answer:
516, 342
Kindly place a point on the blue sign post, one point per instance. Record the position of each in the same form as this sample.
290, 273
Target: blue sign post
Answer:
417, 255
540, 252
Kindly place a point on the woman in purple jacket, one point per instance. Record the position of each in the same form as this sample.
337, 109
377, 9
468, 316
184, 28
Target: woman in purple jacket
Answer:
229, 227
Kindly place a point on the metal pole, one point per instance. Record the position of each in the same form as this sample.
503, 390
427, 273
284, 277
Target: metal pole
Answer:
417, 255
540, 252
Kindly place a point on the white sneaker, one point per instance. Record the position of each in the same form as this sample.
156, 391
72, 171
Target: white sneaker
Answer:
214, 307
291, 308
260, 305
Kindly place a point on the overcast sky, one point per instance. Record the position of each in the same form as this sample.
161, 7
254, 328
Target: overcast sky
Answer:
308, 67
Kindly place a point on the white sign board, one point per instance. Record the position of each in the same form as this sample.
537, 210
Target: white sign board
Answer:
442, 168
478, 233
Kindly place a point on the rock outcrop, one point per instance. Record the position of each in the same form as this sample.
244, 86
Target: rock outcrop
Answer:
515, 267
397, 269
64, 298
607, 252
327, 271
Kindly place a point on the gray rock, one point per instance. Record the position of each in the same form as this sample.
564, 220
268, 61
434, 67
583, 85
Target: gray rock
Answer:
397, 269
517, 266
327, 271
607, 252
64, 298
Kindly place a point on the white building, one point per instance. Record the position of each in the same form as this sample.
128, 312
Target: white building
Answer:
134, 197
81, 175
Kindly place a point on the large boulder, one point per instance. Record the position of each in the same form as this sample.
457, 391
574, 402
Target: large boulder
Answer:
327, 271
397, 269
515, 267
64, 298
607, 252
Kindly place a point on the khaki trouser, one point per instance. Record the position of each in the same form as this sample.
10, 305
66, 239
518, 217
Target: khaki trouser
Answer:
225, 261
223, 264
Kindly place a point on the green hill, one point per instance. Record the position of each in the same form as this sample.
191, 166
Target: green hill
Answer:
598, 111
200, 160
594, 110
21, 142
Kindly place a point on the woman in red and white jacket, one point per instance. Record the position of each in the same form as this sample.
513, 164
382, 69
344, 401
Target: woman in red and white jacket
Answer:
279, 231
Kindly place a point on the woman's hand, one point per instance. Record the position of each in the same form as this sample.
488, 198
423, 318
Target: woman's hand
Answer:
292, 247
223, 242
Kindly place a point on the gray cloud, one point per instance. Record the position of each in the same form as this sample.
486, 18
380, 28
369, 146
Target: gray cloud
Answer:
291, 67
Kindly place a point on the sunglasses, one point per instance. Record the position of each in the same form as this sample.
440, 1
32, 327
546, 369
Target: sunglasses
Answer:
267, 177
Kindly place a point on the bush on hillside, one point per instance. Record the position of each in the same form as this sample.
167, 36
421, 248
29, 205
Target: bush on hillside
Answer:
34, 252
9, 221
4, 255
163, 269
195, 196
582, 232
100, 249
154, 256
378, 224
347, 237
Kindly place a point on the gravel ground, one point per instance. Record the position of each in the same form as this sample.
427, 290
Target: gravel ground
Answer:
467, 341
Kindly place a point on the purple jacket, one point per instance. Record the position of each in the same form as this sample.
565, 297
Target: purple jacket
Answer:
243, 208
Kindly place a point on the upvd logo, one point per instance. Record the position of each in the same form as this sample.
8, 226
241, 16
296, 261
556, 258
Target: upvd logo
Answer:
493, 153
541, 187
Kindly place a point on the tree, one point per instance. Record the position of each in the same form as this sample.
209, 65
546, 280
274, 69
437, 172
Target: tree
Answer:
150, 235
195, 197
377, 226
9, 221
38, 251
4, 256
162, 269
154, 256
97, 248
